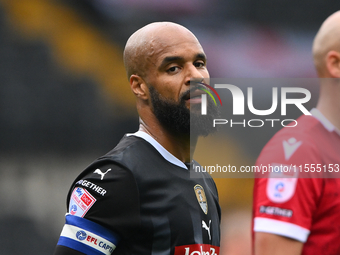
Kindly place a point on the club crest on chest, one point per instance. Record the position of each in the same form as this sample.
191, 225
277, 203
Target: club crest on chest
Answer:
201, 198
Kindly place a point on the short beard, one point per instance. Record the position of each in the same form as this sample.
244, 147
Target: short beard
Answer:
177, 119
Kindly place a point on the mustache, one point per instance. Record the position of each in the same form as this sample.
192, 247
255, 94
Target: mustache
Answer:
193, 87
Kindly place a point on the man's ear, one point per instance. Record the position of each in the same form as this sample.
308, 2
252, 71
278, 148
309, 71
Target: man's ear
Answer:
139, 87
333, 63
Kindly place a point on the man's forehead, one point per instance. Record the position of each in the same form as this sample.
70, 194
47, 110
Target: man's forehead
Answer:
167, 34
178, 53
167, 45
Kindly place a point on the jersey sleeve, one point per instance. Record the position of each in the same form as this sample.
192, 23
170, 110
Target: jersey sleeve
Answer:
83, 236
103, 209
284, 203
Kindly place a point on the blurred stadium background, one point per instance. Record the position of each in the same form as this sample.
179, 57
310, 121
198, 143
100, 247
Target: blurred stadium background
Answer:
65, 99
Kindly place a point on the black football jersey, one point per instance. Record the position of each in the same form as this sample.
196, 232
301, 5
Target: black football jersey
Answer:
140, 199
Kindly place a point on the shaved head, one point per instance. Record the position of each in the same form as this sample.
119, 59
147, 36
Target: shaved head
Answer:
326, 40
161, 59
147, 42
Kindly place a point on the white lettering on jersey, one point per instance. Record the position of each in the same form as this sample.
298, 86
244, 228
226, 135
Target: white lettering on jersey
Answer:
90, 185
201, 252
99, 243
290, 146
98, 171
197, 249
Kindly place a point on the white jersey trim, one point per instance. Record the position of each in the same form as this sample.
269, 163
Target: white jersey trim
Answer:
167, 155
281, 228
324, 121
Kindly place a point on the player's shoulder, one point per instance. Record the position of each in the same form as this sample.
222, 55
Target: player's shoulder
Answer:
129, 150
304, 128
98, 183
97, 178
99, 175
127, 146
295, 139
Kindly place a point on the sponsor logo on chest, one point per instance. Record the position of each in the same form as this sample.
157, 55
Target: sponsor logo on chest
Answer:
197, 249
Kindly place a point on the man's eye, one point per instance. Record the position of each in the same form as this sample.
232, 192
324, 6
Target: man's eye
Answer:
172, 69
199, 64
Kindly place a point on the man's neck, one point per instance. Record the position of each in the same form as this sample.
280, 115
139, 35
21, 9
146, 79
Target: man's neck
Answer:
331, 113
181, 146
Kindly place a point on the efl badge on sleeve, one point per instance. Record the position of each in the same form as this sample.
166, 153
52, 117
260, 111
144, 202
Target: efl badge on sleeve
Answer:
201, 198
81, 201
281, 185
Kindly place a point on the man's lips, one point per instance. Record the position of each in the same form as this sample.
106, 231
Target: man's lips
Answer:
194, 96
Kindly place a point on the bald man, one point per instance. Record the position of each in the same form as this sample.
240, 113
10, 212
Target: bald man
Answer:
302, 215
139, 198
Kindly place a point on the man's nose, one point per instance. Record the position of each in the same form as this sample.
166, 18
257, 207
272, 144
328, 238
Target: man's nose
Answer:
193, 75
